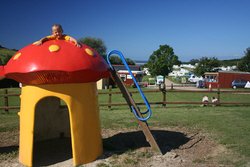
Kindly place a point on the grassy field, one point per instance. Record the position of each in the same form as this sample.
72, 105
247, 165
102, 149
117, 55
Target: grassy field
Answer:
228, 125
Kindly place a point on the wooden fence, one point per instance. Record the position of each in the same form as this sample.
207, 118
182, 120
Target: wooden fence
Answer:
163, 102
6, 101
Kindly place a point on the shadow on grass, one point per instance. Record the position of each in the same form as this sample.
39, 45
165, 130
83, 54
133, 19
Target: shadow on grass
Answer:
166, 140
8, 149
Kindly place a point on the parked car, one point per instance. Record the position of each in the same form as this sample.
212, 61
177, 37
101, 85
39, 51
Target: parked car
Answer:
238, 83
194, 78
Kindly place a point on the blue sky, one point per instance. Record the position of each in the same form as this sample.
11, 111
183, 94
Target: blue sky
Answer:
193, 28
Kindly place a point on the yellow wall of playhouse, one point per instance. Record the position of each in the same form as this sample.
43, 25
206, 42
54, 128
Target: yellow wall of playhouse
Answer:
83, 108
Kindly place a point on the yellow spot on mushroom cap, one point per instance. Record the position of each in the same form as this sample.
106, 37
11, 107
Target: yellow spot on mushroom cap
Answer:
54, 48
16, 56
90, 52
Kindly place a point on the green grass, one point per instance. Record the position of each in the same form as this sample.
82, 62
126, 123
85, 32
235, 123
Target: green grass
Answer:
11, 155
229, 125
5, 51
199, 161
174, 97
132, 161
10, 122
145, 154
146, 79
6, 54
102, 165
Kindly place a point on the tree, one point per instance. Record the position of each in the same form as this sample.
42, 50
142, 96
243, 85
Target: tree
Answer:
117, 60
244, 64
206, 65
129, 61
193, 61
162, 60
96, 43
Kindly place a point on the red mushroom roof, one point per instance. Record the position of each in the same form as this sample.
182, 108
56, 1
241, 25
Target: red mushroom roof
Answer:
56, 62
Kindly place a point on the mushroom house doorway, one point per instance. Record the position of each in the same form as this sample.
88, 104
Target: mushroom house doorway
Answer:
42, 118
52, 139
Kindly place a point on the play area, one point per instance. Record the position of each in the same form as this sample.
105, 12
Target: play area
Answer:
62, 124
57, 70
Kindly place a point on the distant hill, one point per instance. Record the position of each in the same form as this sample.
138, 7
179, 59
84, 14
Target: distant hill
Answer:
6, 54
232, 62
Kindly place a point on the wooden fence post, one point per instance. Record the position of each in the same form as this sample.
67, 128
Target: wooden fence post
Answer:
164, 96
218, 94
6, 103
110, 89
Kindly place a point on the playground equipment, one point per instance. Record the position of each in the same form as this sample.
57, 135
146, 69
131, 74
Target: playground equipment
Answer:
50, 72
141, 121
59, 70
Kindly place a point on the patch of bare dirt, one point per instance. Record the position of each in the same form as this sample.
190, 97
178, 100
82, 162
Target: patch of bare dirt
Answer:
179, 146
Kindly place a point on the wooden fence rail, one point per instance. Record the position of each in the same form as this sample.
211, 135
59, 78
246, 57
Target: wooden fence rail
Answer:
163, 102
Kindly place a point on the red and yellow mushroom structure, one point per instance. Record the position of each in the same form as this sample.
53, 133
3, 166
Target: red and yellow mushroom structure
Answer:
52, 71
